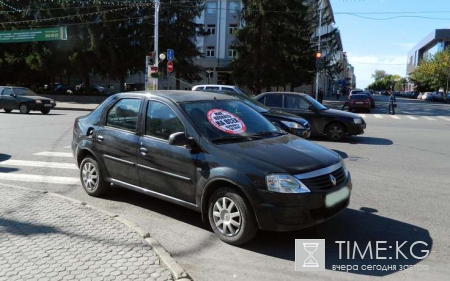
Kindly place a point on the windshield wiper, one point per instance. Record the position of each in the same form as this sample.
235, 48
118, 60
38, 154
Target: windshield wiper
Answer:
265, 134
230, 139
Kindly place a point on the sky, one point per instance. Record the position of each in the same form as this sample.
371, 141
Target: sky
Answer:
377, 34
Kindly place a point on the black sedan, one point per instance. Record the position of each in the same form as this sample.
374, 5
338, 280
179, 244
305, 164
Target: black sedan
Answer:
24, 100
334, 124
214, 154
289, 122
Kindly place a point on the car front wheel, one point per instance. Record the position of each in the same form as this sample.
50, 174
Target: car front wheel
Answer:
24, 109
231, 217
335, 132
91, 177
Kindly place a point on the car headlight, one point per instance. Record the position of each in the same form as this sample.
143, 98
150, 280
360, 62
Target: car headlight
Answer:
52, 101
343, 166
38, 101
282, 183
357, 120
293, 125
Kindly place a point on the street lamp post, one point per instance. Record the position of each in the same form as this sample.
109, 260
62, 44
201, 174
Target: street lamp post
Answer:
318, 49
208, 73
156, 39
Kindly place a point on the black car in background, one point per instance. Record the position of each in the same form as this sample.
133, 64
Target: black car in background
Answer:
289, 122
24, 100
334, 124
214, 154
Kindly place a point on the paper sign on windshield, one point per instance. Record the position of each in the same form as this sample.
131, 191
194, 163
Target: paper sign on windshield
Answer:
226, 121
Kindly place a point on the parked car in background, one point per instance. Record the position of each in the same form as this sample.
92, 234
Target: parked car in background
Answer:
427, 96
93, 88
215, 88
63, 89
437, 96
213, 154
334, 124
24, 100
359, 101
291, 123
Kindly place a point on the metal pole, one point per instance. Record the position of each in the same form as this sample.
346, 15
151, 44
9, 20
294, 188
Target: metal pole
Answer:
318, 49
157, 4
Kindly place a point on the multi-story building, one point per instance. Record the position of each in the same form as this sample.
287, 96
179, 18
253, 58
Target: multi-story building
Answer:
436, 41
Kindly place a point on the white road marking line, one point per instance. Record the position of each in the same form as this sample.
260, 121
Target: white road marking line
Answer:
412, 118
429, 118
378, 116
395, 117
362, 115
445, 118
54, 154
39, 178
68, 146
38, 164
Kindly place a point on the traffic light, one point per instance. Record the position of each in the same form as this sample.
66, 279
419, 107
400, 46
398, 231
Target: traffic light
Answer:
150, 60
319, 60
318, 55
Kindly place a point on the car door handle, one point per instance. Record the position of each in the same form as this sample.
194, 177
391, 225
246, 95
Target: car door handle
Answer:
143, 150
100, 138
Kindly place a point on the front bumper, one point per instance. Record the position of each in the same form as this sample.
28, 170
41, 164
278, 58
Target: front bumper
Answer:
41, 106
288, 212
356, 129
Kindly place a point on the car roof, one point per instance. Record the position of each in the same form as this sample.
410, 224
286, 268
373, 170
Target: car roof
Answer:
181, 96
285, 93
214, 85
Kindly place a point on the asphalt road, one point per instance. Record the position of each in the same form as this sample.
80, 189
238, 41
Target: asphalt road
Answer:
400, 169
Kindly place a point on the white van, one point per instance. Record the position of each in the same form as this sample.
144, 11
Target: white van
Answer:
215, 88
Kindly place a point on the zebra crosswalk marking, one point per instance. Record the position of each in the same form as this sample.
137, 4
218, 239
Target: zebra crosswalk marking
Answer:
378, 116
38, 164
55, 154
39, 178
394, 117
412, 117
429, 118
445, 118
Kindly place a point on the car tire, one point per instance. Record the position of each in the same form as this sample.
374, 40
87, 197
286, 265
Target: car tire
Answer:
91, 178
23, 108
7, 110
335, 132
240, 225
45, 111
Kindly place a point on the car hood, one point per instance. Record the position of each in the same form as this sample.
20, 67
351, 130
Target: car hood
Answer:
285, 115
341, 113
285, 154
35, 97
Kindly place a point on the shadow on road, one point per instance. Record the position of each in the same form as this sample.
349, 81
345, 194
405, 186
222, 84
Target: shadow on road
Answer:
4, 157
358, 140
361, 227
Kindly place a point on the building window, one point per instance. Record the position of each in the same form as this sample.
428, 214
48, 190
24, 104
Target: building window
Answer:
211, 29
211, 7
233, 7
210, 51
232, 29
232, 53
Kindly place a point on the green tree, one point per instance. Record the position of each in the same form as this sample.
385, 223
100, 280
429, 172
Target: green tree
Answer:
273, 45
379, 75
433, 73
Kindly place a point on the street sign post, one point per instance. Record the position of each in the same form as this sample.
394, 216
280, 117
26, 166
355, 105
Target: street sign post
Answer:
169, 66
170, 54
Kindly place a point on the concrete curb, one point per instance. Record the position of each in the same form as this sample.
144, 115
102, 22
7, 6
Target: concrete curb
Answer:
177, 271
73, 108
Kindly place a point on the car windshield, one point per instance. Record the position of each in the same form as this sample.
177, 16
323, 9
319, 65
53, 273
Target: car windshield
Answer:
315, 103
223, 121
24, 92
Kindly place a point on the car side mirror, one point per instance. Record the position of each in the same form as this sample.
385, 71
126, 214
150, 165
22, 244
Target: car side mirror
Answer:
311, 108
276, 125
13, 95
180, 139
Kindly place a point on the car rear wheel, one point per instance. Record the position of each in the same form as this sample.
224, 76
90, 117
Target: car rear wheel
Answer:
91, 177
24, 109
7, 110
231, 217
45, 111
335, 132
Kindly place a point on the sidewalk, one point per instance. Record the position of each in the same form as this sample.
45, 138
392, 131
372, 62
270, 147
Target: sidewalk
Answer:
44, 236
75, 106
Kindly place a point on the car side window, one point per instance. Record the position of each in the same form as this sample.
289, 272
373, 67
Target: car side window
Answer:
124, 114
295, 102
7, 92
161, 121
211, 88
274, 101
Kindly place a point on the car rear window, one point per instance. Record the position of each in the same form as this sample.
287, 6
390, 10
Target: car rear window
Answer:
359, 97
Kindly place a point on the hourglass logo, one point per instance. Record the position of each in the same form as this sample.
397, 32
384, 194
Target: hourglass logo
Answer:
309, 254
